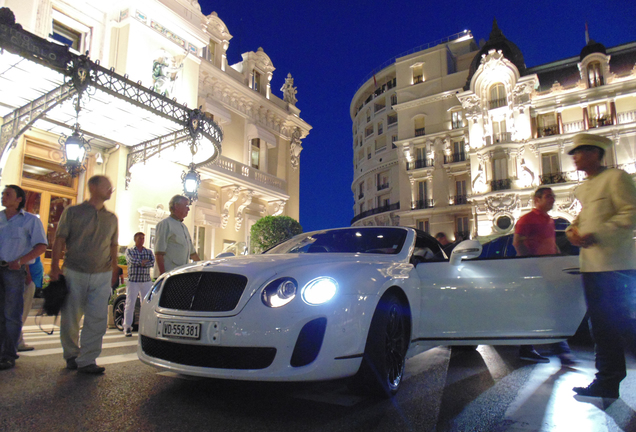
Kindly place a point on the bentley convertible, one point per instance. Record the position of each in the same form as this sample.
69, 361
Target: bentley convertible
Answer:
352, 302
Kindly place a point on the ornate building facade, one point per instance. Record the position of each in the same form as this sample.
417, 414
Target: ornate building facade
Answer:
473, 132
165, 51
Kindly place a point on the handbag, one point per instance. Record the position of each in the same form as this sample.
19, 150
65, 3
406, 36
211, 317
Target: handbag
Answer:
54, 296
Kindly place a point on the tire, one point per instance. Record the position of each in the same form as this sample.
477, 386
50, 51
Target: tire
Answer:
118, 313
382, 368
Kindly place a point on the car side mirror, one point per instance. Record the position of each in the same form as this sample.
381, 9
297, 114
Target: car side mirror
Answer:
467, 249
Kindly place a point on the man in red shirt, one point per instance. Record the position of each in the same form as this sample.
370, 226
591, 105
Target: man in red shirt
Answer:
534, 236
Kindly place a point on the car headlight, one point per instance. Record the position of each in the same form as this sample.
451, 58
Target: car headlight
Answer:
279, 292
154, 289
319, 290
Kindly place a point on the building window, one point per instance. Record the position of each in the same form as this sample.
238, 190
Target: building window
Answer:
499, 134
550, 169
500, 168
394, 99
457, 120
256, 152
460, 192
382, 180
497, 96
67, 36
594, 75
462, 228
368, 116
391, 119
256, 81
598, 115
419, 126
422, 225
380, 128
393, 140
418, 73
384, 201
361, 190
547, 125
368, 131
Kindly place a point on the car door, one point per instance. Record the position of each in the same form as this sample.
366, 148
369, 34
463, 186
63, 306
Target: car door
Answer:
499, 298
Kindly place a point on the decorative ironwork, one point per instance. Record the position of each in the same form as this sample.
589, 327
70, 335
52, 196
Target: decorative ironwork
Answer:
553, 178
503, 184
422, 204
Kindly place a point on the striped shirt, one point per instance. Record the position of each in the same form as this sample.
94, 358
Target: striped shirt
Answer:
136, 271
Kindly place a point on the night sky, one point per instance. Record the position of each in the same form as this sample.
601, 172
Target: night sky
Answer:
329, 47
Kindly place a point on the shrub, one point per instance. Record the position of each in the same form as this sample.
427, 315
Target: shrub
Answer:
271, 230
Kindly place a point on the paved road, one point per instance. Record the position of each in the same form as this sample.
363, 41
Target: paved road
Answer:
484, 390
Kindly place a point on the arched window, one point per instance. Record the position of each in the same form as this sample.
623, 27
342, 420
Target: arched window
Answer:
497, 96
594, 75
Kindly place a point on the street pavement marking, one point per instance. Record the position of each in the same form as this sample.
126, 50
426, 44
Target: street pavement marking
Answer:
50, 351
48, 340
121, 358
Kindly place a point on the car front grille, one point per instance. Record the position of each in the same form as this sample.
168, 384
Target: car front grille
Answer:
209, 356
203, 291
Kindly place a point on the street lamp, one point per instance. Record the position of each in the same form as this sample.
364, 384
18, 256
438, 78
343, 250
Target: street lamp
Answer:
74, 148
191, 182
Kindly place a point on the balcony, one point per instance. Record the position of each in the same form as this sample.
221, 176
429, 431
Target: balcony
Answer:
383, 186
600, 122
548, 131
420, 132
497, 103
418, 79
497, 185
246, 175
553, 178
422, 204
501, 137
574, 126
377, 108
455, 157
626, 117
420, 163
458, 200
377, 210
391, 120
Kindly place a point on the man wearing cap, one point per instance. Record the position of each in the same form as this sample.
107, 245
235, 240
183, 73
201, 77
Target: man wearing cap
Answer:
604, 231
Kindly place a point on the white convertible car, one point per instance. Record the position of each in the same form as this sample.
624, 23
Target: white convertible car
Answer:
352, 302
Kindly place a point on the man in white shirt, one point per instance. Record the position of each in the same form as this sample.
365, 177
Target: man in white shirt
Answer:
173, 247
604, 229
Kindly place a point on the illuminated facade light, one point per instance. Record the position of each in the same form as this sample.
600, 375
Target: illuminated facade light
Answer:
191, 182
74, 148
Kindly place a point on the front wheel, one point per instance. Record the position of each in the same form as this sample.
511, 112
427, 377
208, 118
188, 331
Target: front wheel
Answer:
382, 367
118, 313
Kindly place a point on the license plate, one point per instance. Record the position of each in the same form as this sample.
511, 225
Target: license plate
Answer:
179, 329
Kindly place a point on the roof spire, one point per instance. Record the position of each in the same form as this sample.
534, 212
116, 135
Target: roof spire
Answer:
496, 32
587, 34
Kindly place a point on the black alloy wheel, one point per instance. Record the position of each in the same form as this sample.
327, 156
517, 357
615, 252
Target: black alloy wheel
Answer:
118, 312
382, 368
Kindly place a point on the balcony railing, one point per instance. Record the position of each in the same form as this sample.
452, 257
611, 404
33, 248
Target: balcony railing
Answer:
502, 137
496, 103
418, 79
626, 117
422, 204
238, 170
377, 210
368, 133
553, 178
548, 130
420, 163
420, 132
391, 120
455, 157
378, 107
574, 126
383, 186
459, 200
496, 185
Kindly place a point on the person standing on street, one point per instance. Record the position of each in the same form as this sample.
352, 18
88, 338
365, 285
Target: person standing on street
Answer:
174, 246
89, 233
604, 229
140, 260
22, 239
535, 236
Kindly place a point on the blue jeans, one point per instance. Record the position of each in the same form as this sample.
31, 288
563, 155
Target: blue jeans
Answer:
11, 304
609, 296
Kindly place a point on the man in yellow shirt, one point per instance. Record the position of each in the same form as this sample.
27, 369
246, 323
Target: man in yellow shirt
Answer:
604, 229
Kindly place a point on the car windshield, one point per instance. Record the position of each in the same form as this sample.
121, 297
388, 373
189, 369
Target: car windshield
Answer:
350, 240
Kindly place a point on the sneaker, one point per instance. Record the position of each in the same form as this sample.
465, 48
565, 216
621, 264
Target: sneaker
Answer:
91, 369
71, 364
22, 348
596, 389
533, 356
7, 364
128, 332
568, 360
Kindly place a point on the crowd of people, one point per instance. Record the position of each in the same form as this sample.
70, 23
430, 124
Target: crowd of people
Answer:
87, 235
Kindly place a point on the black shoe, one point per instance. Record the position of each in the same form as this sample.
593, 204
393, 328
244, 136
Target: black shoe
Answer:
91, 369
533, 356
7, 364
568, 360
597, 389
128, 332
71, 364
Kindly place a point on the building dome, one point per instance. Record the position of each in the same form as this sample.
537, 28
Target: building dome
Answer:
497, 41
591, 48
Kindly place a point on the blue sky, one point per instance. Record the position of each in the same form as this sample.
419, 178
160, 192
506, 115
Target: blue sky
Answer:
329, 47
